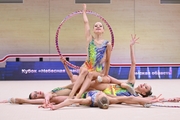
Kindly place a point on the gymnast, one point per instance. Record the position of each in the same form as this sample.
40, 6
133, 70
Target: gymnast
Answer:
98, 60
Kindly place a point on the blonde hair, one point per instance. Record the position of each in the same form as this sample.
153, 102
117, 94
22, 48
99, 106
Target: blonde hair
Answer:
103, 103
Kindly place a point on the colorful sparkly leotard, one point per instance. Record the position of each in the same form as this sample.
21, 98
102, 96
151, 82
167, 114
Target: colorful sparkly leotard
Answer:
95, 56
57, 89
92, 94
117, 90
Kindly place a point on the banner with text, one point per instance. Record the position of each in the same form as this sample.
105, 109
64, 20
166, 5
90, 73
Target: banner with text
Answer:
54, 70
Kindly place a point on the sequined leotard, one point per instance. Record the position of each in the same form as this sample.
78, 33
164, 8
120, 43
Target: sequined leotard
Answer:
118, 91
95, 56
92, 94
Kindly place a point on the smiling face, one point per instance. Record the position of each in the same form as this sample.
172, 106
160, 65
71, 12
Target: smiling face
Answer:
98, 28
36, 95
144, 89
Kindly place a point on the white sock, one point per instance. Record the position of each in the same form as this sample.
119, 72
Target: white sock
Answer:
99, 79
147, 105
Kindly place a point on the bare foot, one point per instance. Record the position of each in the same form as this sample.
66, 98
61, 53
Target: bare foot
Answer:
4, 101
76, 104
46, 105
52, 107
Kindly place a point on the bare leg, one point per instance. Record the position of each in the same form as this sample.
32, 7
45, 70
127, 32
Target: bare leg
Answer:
58, 99
63, 92
74, 78
114, 80
109, 79
79, 81
99, 86
68, 102
104, 79
53, 100
86, 84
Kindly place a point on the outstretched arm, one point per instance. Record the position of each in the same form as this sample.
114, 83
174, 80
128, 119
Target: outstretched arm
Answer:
133, 100
131, 78
86, 24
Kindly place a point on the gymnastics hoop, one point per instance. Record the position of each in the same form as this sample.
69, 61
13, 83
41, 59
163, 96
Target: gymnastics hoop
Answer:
72, 15
169, 106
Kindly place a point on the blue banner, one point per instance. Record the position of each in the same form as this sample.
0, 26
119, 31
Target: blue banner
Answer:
54, 70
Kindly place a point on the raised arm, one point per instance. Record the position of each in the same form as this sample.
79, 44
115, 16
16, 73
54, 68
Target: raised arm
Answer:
86, 24
63, 60
131, 78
